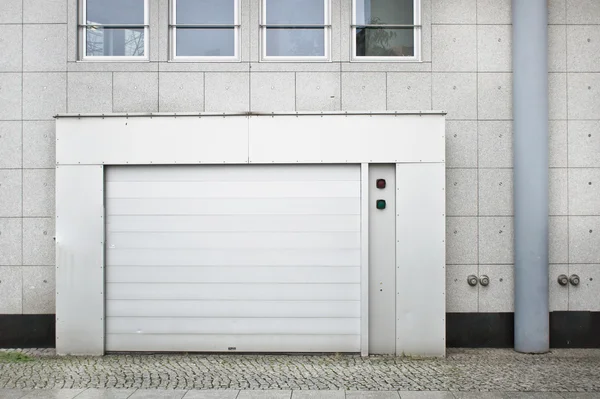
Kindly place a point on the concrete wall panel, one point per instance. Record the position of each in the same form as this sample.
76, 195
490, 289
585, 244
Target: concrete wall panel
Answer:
496, 240
557, 141
408, 91
495, 144
11, 192
557, 96
461, 192
44, 11
11, 282
584, 191
494, 12
494, 48
584, 95
318, 91
461, 144
454, 48
10, 144
498, 296
135, 92
557, 12
11, 48
583, 48
44, 95
494, 95
558, 231
10, 96
460, 296
38, 290
38, 192
455, 93
181, 91
584, 239
557, 182
583, 12
461, 240
11, 241
585, 295
363, 91
557, 48
38, 242
39, 143
12, 12
496, 192
227, 92
454, 11
89, 92
44, 48
584, 144
273, 92
558, 295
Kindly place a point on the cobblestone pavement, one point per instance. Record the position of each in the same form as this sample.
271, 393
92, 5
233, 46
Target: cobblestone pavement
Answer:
462, 370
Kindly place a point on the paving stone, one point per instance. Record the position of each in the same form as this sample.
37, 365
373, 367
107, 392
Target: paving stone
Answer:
264, 375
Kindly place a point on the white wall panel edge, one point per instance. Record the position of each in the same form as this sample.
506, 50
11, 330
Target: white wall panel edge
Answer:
364, 260
80, 260
420, 260
235, 139
377, 138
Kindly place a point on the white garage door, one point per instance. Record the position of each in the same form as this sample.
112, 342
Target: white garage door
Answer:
233, 258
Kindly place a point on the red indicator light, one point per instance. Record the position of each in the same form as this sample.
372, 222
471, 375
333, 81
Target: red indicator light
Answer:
380, 183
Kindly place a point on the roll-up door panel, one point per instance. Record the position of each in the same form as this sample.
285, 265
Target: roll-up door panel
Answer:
233, 258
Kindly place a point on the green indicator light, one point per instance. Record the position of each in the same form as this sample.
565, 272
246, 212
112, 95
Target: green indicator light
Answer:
380, 204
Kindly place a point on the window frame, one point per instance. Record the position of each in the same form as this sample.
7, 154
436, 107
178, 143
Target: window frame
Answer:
417, 29
82, 27
192, 58
327, 27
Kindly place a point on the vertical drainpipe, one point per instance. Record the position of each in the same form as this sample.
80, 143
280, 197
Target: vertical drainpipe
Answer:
530, 126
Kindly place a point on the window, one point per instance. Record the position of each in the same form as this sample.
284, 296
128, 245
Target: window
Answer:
114, 29
386, 30
205, 29
293, 29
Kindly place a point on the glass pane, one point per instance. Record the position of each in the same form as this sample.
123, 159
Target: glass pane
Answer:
379, 42
115, 12
389, 12
295, 12
295, 42
205, 42
115, 42
197, 12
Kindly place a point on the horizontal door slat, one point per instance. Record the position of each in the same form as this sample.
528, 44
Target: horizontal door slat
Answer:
279, 189
234, 206
232, 309
284, 325
234, 223
239, 257
229, 343
273, 291
236, 173
226, 274
250, 240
